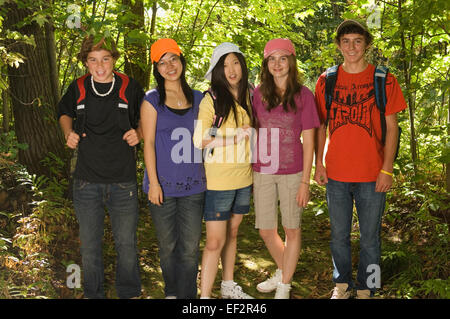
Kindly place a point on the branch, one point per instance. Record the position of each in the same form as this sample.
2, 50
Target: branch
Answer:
181, 17
206, 22
388, 3
209, 15
104, 11
195, 23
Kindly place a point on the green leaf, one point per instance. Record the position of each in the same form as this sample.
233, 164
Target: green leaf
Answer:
40, 20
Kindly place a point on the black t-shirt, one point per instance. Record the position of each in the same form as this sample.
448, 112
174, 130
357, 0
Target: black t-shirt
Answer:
103, 156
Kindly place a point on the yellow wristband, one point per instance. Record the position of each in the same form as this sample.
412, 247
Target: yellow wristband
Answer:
387, 173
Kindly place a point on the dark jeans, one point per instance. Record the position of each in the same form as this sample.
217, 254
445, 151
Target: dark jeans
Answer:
178, 224
370, 207
90, 201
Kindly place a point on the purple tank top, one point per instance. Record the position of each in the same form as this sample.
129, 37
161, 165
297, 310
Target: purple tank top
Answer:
178, 163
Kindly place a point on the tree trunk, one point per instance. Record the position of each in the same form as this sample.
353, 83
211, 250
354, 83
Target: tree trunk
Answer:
33, 97
152, 32
447, 165
6, 113
136, 54
51, 51
407, 65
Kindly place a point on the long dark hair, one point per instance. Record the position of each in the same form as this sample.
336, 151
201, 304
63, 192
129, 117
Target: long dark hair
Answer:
160, 87
268, 87
221, 89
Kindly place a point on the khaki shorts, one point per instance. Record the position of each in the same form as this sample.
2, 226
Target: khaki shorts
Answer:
267, 189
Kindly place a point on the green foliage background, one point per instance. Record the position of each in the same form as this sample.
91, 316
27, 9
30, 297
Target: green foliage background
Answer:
411, 38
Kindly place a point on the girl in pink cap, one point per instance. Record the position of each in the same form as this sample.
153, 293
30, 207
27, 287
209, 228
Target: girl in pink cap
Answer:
286, 116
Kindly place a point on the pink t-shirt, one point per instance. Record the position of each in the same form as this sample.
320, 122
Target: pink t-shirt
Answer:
278, 148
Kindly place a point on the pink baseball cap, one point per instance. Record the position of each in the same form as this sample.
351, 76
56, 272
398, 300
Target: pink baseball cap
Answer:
278, 44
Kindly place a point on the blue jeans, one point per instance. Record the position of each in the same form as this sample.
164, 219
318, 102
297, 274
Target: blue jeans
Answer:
178, 224
90, 201
370, 207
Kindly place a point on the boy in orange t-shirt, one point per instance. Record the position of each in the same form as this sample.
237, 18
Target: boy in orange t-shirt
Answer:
358, 165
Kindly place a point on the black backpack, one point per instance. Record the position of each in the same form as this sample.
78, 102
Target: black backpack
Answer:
379, 82
122, 107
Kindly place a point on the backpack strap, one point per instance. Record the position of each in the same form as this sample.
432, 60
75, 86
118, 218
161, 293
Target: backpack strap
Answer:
379, 83
124, 117
330, 83
251, 92
81, 110
123, 87
217, 120
122, 107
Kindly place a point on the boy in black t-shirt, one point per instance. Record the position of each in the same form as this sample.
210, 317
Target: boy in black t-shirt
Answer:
105, 105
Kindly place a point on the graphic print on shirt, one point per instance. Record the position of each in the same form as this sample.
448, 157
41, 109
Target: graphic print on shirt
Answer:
352, 106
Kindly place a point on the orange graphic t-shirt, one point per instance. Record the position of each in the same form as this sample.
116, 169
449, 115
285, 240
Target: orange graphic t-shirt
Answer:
355, 152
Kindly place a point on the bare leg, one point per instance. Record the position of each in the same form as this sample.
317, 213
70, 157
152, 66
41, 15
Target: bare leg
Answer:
216, 232
230, 248
291, 253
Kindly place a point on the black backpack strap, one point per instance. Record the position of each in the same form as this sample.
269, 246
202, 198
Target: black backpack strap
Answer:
330, 83
124, 115
217, 120
122, 107
379, 83
80, 122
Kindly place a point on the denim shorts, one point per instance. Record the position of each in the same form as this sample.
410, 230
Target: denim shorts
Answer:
219, 205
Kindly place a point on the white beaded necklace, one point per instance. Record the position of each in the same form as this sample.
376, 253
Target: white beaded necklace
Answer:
104, 94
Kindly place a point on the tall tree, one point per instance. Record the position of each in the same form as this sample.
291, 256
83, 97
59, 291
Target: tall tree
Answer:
136, 64
33, 92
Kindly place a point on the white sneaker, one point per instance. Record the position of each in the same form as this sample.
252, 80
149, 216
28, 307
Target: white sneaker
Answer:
270, 284
283, 291
340, 292
233, 291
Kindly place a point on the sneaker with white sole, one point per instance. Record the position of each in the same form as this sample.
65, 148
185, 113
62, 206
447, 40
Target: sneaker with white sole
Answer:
270, 284
233, 291
283, 291
340, 292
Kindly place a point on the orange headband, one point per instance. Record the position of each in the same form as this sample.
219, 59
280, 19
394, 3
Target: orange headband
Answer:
161, 47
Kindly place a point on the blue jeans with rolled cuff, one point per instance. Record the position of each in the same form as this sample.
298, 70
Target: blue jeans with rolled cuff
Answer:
178, 224
370, 206
120, 199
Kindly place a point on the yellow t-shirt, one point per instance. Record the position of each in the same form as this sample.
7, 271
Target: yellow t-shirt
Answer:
229, 167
